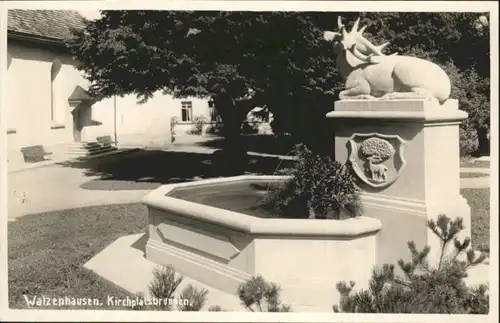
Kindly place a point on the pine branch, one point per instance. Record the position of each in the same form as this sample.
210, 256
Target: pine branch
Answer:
403, 283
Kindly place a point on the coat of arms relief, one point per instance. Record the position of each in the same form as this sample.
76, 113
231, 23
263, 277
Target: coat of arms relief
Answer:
377, 159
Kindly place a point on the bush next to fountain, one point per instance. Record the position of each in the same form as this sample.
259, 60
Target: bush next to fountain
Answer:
320, 188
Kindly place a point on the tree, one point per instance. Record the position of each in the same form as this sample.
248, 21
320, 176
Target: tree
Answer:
459, 42
240, 59
248, 59
377, 149
171, 52
441, 37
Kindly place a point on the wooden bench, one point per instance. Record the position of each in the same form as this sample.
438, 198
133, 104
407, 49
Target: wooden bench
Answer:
105, 141
34, 154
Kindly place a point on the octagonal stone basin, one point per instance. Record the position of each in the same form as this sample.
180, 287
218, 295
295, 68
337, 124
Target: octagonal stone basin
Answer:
212, 231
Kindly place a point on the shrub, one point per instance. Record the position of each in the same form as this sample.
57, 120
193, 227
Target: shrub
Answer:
255, 294
164, 284
469, 141
173, 123
318, 188
258, 294
473, 94
198, 123
140, 307
196, 299
436, 289
250, 127
214, 128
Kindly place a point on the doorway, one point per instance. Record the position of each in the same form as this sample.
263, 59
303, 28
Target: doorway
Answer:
77, 125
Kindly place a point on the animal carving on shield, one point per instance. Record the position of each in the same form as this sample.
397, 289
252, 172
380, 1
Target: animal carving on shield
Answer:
371, 74
377, 159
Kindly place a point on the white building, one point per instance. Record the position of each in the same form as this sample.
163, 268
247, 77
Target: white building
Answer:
46, 99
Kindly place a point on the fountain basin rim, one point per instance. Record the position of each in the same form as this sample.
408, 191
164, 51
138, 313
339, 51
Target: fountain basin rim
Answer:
348, 228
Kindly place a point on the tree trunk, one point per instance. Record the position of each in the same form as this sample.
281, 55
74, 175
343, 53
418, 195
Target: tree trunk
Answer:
484, 141
234, 154
314, 129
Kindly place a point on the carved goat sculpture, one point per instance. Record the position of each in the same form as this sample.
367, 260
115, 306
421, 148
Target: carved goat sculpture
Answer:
370, 74
378, 171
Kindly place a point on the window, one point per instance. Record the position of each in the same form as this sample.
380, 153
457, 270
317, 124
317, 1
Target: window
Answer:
11, 92
187, 111
213, 111
54, 72
9, 60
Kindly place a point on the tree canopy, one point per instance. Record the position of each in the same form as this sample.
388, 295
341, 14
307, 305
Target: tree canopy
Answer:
278, 59
203, 53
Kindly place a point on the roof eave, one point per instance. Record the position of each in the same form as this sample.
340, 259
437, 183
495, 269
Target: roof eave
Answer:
35, 39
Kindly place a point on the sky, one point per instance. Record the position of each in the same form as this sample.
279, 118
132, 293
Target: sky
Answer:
89, 14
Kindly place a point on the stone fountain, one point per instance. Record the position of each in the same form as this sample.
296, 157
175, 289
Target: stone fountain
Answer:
397, 127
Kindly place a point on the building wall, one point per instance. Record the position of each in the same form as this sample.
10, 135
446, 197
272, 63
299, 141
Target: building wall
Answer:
141, 124
30, 120
28, 97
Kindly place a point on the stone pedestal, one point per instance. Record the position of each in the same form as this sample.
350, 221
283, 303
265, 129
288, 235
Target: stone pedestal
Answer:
406, 156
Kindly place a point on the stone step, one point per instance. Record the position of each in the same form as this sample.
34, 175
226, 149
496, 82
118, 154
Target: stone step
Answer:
83, 148
90, 148
102, 154
89, 145
85, 144
95, 150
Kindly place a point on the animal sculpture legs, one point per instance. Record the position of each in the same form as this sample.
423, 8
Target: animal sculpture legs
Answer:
360, 90
416, 93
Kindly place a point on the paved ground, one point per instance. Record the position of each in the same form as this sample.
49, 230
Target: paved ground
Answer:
134, 264
56, 187
476, 182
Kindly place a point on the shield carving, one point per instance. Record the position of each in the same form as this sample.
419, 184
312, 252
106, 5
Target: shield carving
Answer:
377, 159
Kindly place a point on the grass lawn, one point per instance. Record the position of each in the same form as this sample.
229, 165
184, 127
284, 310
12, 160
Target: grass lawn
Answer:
479, 201
47, 251
117, 185
473, 175
472, 164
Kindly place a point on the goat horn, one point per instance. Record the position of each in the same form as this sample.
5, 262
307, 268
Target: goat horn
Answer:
372, 48
330, 35
339, 22
362, 30
381, 47
355, 26
344, 32
359, 55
